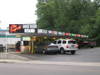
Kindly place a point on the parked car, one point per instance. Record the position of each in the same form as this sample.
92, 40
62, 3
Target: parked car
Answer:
53, 48
41, 46
86, 44
62, 46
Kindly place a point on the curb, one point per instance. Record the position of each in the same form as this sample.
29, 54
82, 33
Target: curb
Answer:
37, 62
10, 61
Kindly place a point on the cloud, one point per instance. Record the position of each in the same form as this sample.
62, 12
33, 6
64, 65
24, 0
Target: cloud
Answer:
17, 11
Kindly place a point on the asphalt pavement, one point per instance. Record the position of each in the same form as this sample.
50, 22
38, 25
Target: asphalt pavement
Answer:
82, 55
44, 69
84, 62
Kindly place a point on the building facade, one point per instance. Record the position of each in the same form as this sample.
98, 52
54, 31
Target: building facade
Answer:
8, 39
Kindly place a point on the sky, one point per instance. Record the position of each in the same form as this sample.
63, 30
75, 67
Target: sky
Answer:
17, 12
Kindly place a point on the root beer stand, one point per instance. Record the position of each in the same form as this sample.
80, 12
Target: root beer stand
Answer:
32, 37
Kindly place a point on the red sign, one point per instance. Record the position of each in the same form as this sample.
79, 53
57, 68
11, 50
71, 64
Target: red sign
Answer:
67, 34
16, 28
78, 35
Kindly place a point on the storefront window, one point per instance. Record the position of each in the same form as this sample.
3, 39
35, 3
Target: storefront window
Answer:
26, 43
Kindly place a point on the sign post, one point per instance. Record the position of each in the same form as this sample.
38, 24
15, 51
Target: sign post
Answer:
6, 42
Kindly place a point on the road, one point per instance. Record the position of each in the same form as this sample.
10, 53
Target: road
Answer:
85, 62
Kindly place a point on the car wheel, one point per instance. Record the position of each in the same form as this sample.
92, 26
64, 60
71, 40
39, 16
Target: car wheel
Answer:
62, 51
73, 52
91, 46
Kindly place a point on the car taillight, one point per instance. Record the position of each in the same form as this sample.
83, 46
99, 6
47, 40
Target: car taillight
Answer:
67, 46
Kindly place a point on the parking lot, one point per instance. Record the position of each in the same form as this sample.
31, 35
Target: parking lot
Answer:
82, 55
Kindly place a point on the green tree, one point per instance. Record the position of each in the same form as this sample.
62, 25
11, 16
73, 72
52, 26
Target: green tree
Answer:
45, 17
75, 16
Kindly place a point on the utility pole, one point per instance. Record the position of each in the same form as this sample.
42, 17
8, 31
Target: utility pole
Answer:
6, 42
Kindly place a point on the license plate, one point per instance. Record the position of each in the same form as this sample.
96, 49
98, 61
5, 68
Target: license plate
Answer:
72, 46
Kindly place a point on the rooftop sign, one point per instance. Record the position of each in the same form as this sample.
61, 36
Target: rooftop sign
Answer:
29, 28
21, 28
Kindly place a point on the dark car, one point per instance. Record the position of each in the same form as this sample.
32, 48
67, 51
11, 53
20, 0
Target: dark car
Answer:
83, 44
51, 48
45, 47
41, 46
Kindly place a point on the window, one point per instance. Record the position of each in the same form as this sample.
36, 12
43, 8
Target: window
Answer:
64, 42
59, 42
72, 42
54, 42
26, 43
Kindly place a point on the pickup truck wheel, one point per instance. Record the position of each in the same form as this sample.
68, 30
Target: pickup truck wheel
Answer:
73, 52
62, 51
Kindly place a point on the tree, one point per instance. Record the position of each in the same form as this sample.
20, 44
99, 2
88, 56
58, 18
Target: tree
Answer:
74, 16
45, 17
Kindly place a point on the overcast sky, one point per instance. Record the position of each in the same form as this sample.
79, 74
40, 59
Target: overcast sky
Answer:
17, 12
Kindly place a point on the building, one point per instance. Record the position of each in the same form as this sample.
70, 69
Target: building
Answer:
7, 39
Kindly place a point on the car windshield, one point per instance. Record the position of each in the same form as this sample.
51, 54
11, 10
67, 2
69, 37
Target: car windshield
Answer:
54, 42
72, 42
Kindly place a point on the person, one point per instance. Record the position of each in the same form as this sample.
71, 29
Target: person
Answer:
18, 46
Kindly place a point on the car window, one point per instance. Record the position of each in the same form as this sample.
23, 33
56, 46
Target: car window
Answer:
54, 42
64, 42
59, 41
72, 42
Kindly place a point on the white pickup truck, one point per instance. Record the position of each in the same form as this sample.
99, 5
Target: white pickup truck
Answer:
62, 46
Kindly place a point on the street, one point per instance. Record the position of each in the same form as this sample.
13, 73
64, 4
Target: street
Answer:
84, 62
31, 69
